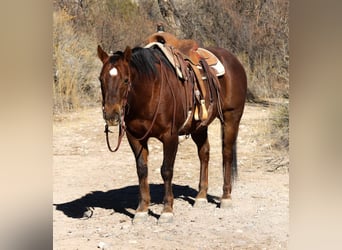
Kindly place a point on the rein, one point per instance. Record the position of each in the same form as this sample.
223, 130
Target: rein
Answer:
122, 129
155, 113
122, 125
121, 134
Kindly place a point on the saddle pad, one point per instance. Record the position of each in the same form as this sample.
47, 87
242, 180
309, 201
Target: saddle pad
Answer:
212, 61
168, 53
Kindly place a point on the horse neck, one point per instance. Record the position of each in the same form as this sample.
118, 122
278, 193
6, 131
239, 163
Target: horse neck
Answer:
143, 91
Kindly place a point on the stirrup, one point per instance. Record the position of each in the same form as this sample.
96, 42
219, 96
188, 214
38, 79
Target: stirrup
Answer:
196, 114
204, 110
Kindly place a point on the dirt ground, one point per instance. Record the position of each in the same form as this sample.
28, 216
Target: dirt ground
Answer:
95, 191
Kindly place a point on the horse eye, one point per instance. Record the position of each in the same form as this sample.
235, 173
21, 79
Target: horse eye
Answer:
126, 81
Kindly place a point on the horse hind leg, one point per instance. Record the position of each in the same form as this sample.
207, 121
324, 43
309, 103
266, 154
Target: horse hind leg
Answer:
203, 150
230, 128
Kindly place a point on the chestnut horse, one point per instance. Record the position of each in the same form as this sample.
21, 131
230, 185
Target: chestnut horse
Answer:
144, 96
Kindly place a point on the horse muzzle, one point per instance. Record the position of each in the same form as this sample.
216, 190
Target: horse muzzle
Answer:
112, 119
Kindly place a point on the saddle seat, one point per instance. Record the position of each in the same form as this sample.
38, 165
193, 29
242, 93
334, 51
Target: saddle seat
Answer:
187, 47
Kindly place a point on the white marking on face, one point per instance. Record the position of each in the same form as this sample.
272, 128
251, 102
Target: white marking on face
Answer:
113, 72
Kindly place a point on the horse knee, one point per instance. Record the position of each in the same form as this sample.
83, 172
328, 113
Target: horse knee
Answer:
205, 152
166, 172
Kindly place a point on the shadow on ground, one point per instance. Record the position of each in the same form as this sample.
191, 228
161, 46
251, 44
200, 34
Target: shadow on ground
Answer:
120, 200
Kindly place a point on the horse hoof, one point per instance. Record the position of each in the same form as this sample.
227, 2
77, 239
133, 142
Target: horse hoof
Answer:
200, 202
226, 203
140, 217
87, 214
165, 218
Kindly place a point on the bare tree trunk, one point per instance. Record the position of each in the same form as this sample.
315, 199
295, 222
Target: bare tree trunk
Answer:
171, 16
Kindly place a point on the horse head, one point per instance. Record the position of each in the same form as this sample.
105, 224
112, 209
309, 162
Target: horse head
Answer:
115, 78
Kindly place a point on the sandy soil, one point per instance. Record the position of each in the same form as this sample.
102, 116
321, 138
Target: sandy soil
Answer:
95, 191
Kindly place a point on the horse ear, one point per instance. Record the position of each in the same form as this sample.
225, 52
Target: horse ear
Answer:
101, 54
128, 54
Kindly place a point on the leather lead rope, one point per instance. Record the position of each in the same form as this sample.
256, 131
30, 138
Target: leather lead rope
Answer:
121, 134
122, 129
157, 109
122, 126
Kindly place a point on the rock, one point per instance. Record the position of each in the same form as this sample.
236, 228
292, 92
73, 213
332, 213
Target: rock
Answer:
103, 245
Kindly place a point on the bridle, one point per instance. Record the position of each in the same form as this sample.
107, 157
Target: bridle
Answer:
122, 125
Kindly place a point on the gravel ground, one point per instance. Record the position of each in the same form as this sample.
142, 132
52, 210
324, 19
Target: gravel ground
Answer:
95, 191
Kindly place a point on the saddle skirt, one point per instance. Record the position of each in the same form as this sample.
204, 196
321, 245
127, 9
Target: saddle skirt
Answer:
211, 60
205, 54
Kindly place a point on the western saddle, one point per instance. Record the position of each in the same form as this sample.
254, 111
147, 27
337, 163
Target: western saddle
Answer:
196, 65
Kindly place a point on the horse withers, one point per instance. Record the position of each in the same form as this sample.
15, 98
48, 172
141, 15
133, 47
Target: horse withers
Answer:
142, 94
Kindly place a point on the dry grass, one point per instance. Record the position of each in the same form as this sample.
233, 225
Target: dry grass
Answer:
75, 66
265, 132
256, 32
76, 33
280, 126
264, 80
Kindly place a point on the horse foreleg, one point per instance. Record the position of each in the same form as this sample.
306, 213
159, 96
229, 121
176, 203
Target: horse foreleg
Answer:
203, 150
230, 128
140, 151
170, 146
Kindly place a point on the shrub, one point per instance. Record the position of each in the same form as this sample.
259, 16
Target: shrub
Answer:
75, 67
254, 30
280, 127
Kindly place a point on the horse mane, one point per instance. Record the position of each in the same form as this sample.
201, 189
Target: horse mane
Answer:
144, 60
115, 56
